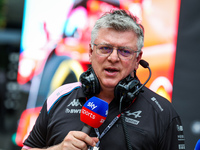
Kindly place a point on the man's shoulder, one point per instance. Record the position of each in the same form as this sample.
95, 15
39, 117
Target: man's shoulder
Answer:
60, 92
160, 107
160, 104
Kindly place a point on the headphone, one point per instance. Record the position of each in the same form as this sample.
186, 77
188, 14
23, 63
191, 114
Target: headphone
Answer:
90, 83
91, 86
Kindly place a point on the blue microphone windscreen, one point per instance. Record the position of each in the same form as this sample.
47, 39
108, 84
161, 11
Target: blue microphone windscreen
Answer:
97, 105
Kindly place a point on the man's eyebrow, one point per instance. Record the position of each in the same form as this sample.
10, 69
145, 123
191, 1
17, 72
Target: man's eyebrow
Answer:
105, 44
126, 47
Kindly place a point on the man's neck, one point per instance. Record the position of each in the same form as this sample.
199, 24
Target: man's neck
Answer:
107, 96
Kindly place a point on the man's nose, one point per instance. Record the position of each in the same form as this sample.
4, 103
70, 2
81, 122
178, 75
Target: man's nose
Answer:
114, 55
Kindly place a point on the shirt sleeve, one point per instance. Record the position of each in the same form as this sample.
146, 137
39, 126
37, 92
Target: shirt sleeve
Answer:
37, 137
173, 138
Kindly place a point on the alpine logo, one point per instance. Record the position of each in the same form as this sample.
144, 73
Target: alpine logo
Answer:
74, 103
136, 114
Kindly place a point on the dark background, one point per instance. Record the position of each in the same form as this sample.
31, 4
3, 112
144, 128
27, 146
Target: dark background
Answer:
186, 89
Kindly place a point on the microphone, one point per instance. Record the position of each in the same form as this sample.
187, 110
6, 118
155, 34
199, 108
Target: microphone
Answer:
93, 113
197, 147
144, 64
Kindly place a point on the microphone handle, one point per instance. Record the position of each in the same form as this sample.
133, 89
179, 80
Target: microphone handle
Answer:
86, 129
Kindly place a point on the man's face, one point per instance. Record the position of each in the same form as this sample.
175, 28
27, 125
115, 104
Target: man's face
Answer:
111, 69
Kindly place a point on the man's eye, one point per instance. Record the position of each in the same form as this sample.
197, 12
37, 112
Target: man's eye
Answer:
105, 48
125, 52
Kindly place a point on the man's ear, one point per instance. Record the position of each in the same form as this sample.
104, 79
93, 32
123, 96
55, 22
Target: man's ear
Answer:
138, 60
90, 52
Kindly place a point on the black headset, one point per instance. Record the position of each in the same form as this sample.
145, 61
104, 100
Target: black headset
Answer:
91, 86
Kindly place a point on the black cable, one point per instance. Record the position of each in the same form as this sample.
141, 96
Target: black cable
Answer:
127, 138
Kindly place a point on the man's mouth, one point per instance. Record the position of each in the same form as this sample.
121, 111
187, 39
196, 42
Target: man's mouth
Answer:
111, 70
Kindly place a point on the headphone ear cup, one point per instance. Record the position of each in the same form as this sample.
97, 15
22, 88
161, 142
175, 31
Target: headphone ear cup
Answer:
124, 88
90, 83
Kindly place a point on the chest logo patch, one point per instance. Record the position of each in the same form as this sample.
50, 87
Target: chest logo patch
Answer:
136, 114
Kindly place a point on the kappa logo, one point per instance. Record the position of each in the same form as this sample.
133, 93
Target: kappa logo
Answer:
75, 102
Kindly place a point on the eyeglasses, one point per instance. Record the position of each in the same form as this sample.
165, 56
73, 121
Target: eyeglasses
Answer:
105, 50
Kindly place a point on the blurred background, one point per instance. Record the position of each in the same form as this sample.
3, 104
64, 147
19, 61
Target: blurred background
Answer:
44, 44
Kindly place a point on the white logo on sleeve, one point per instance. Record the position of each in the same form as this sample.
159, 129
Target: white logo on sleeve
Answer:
75, 102
157, 103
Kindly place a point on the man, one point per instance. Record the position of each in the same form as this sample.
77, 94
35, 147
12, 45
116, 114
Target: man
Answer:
149, 121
